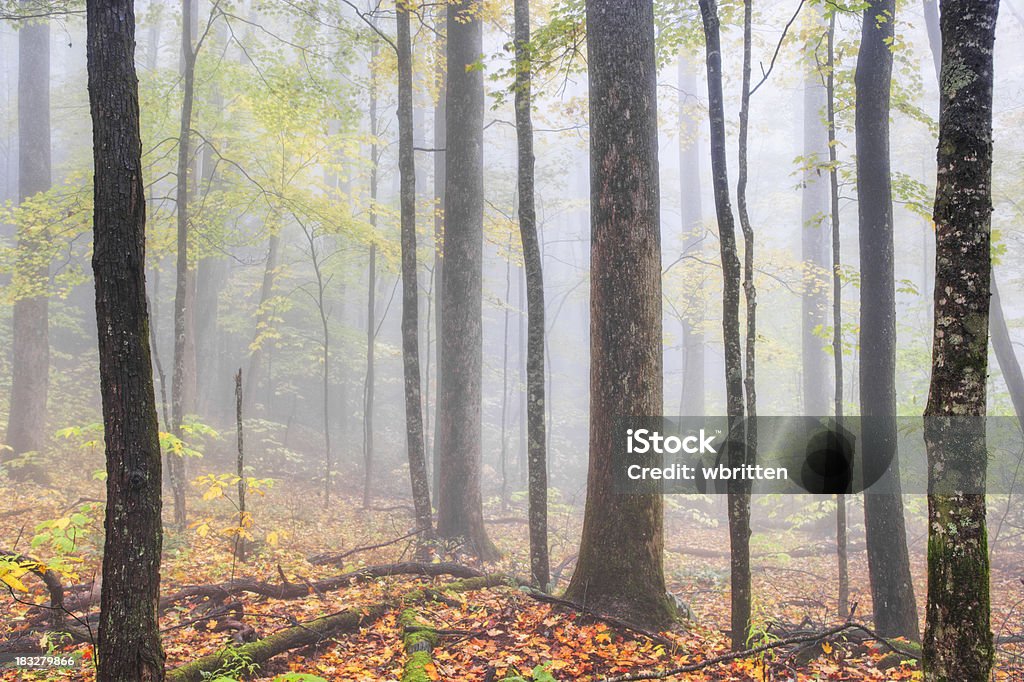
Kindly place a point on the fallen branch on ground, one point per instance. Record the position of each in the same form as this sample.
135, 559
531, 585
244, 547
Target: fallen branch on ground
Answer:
299, 590
747, 653
337, 557
318, 631
597, 615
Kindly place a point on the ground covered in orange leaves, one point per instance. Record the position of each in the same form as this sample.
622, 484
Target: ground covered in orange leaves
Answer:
485, 634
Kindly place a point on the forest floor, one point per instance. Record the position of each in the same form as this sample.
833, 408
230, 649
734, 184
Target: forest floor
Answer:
485, 634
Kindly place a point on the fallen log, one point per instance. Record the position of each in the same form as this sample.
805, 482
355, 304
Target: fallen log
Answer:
289, 590
419, 640
50, 579
319, 630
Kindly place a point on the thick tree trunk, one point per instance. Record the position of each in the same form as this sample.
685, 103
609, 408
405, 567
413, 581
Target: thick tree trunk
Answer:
958, 638
129, 637
534, 275
739, 533
837, 311
460, 506
813, 236
30, 344
892, 591
410, 293
183, 375
692, 395
620, 568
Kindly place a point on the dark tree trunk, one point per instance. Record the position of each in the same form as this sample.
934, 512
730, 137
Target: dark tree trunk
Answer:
410, 294
1009, 365
837, 310
958, 638
892, 591
129, 637
532, 264
240, 467
739, 506
813, 235
739, 502
30, 344
620, 568
183, 376
460, 506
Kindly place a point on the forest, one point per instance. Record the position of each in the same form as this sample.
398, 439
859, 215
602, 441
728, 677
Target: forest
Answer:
483, 341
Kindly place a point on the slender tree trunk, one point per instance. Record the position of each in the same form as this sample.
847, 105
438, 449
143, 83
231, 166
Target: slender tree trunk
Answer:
892, 591
30, 344
255, 370
739, 503
837, 310
739, 533
503, 458
240, 467
440, 182
813, 236
692, 400
523, 450
129, 636
371, 301
410, 293
620, 568
958, 637
460, 505
537, 455
183, 387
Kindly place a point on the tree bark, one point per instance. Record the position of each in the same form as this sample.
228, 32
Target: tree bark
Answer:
129, 638
183, 375
837, 310
460, 506
958, 638
369, 382
892, 591
30, 344
534, 273
440, 160
410, 294
738, 503
620, 568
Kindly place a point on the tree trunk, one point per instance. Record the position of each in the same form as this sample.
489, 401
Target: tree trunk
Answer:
692, 397
503, 458
255, 370
129, 637
739, 495
460, 506
620, 568
534, 274
892, 591
30, 345
738, 503
837, 311
371, 288
958, 638
183, 376
813, 236
440, 160
240, 467
410, 293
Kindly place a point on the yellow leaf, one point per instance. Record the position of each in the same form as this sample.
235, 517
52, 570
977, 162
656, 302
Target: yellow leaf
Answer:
826, 647
10, 579
213, 493
272, 538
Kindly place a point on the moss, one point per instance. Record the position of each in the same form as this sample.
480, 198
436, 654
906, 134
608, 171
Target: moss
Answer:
416, 665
